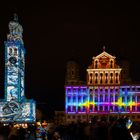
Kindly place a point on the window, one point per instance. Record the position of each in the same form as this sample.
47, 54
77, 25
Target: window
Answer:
133, 108
74, 99
116, 108
111, 98
69, 99
106, 108
15, 51
91, 98
133, 98
123, 99
84, 109
128, 98
101, 98
116, 98
138, 108
79, 99
122, 109
95, 108
74, 108
128, 108
79, 109
96, 98
106, 98
69, 108
101, 108
138, 98
111, 108
91, 107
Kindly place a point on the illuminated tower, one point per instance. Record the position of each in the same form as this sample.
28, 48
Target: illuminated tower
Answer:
14, 62
15, 107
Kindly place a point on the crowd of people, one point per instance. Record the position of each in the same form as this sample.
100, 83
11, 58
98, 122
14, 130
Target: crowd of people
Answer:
115, 129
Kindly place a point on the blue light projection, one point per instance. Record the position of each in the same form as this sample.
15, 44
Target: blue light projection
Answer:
15, 107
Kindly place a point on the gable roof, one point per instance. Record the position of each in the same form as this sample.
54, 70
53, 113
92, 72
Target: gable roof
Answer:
104, 53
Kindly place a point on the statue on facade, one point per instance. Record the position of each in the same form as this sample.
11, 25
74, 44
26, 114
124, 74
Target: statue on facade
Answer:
15, 29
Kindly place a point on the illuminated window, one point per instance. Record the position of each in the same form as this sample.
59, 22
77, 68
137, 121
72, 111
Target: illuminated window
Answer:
106, 98
123, 99
91, 98
116, 108
95, 108
106, 108
96, 98
74, 108
91, 108
111, 108
84, 109
74, 99
101, 98
133, 98
101, 108
138, 98
138, 108
69, 108
128, 108
79, 99
84, 98
106, 90
79, 108
128, 98
111, 98
69, 99
133, 108
123, 109
116, 98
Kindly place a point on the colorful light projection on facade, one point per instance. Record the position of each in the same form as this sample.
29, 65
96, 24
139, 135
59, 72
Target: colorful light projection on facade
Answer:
83, 100
15, 107
103, 92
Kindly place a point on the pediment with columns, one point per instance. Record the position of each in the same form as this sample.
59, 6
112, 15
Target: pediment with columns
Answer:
103, 60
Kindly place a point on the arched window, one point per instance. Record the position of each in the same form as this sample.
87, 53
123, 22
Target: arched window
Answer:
111, 64
96, 64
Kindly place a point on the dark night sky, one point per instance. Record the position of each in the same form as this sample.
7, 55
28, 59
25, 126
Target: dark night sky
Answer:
58, 31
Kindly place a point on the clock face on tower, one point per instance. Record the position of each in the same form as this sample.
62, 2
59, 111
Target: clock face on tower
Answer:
13, 60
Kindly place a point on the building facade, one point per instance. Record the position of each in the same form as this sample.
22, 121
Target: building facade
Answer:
15, 107
103, 94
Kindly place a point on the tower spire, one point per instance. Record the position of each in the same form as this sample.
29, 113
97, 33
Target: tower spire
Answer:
104, 48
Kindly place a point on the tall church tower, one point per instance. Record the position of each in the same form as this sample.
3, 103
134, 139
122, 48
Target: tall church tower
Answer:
14, 62
15, 107
72, 73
